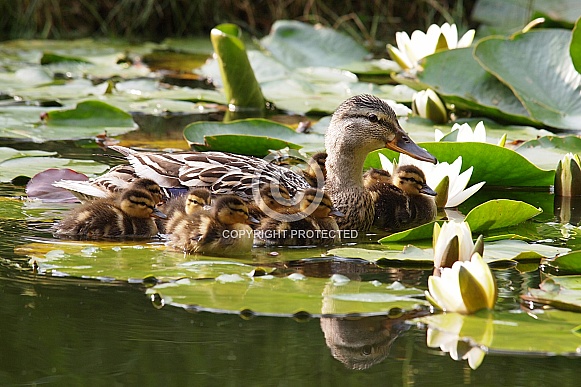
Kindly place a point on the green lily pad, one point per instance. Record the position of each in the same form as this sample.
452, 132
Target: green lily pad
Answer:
240, 84
547, 151
288, 296
567, 11
90, 113
299, 44
575, 48
499, 213
550, 332
487, 160
493, 214
559, 292
460, 80
541, 79
568, 263
498, 251
123, 261
251, 136
49, 58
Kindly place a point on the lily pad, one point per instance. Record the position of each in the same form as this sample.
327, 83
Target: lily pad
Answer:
252, 136
498, 251
90, 113
559, 292
298, 44
49, 58
549, 332
288, 296
547, 151
568, 263
541, 79
460, 80
487, 160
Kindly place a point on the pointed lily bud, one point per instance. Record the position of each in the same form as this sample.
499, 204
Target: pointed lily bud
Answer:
427, 104
442, 192
568, 176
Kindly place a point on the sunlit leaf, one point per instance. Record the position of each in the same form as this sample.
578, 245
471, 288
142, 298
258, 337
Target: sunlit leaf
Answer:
568, 263
542, 79
499, 213
559, 292
575, 47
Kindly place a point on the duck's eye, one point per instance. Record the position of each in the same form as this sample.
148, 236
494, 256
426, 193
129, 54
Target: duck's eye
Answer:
373, 118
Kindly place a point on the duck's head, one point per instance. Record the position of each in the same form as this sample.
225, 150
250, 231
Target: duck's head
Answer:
412, 180
365, 123
148, 185
230, 209
197, 199
273, 197
139, 203
373, 176
324, 205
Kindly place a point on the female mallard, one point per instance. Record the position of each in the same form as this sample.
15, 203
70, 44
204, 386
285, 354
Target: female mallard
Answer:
224, 230
407, 203
361, 124
311, 224
179, 207
128, 215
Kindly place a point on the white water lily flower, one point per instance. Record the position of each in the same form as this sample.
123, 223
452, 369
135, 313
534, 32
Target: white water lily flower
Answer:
456, 193
466, 287
466, 134
410, 51
443, 238
568, 176
447, 335
427, 104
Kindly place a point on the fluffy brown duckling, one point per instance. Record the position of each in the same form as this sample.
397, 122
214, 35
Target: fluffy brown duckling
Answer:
128, 215
224, 230
271, 198
178, 207
316, 165
373, 176
311, 224
407, 203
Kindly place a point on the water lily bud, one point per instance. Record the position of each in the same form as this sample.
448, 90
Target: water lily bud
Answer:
427, 104
399, 58
502, 141
568, 176
452, 241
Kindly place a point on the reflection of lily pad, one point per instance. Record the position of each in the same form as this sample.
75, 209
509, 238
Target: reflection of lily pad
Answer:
551, 332
545, 80
288, 296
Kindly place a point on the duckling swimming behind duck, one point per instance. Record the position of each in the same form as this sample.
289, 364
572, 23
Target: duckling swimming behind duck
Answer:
315, 173
224, 230
373, 176
407, 203
129, 215
178, 207
312, 224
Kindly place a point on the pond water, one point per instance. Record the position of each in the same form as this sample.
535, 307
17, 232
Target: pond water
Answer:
73, 331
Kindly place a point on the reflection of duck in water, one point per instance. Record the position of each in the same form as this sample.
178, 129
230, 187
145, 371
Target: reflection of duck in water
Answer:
360, 343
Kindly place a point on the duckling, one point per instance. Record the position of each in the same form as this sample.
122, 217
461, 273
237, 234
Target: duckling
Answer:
373, 176
271, 198
361, 124
129, 215
178, 207
305, 226
316, 165
405, 203
224, 230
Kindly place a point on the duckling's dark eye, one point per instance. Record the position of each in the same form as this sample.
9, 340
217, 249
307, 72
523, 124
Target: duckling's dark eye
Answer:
373, 118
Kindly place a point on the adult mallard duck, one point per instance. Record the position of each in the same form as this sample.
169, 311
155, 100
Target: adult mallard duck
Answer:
179, 207
224, 230
361, 124
311, 224
407, 203
128, 215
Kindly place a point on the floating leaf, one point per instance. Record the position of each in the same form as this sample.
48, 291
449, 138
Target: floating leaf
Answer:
50, 58
541, 79
460, 80
568, 263
287, 296
253, 136
499, 213
559, 292
547, 151
299, 44
575, 48
90, 113
487, 160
